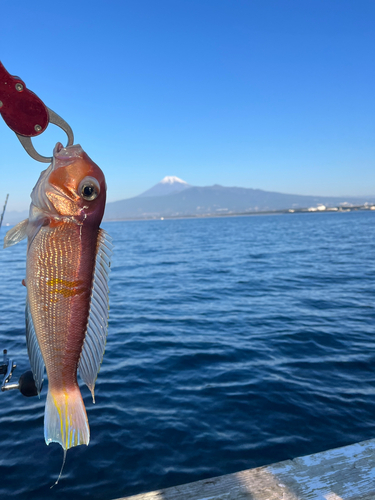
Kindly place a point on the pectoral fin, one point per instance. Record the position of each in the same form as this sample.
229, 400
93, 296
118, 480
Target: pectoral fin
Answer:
24, 229
16, 234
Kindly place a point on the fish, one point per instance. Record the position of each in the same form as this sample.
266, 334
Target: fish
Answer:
67, 272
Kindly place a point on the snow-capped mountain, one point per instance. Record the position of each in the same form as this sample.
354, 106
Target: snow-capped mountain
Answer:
217, 200
168, 185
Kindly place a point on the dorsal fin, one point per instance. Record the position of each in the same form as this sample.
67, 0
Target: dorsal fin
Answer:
35, 356
96, 333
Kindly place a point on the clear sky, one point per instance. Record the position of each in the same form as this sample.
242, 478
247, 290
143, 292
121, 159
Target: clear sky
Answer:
270, 94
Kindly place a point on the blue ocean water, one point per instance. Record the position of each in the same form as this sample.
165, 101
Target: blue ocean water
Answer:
233, 343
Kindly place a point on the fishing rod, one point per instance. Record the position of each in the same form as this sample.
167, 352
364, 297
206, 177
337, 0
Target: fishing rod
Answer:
2, 215
25, 384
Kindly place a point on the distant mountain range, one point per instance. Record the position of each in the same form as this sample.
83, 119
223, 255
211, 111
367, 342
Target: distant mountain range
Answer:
173, 197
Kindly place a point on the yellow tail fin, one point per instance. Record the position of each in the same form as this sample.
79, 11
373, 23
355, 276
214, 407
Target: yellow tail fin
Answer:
65, 419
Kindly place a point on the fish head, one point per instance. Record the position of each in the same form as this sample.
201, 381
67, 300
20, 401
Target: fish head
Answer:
73, 186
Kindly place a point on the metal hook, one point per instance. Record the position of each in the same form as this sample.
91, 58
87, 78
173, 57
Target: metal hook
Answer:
56, 120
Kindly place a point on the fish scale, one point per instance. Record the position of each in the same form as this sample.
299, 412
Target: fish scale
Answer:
61, 327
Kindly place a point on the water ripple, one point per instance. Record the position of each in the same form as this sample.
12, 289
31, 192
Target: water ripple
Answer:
233, 343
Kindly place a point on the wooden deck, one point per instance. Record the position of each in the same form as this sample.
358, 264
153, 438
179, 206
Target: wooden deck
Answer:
346, 473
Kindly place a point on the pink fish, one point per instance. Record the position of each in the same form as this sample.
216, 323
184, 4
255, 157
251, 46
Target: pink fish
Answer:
68, 259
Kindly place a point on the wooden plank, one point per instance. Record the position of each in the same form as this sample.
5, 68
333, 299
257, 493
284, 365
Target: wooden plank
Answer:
346, 473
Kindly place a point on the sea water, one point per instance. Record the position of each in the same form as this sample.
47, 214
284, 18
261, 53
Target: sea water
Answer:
233, 343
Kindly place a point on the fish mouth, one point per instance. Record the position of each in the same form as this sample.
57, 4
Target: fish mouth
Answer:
65, 155
57, 148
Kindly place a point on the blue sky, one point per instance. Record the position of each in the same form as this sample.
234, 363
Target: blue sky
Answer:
270, 94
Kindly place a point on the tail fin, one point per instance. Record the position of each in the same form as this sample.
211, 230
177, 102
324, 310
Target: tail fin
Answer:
65, 419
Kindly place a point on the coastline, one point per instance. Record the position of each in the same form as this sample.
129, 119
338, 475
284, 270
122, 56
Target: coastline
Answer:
364, 208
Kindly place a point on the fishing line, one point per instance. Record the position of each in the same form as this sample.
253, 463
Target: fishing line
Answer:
57, 480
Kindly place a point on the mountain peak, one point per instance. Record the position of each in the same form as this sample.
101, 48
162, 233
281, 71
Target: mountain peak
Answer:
169, 185
171, 179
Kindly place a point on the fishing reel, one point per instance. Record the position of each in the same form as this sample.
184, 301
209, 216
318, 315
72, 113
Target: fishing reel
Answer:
25, 384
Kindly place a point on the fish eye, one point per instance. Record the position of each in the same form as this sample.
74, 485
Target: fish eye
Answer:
89, 189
